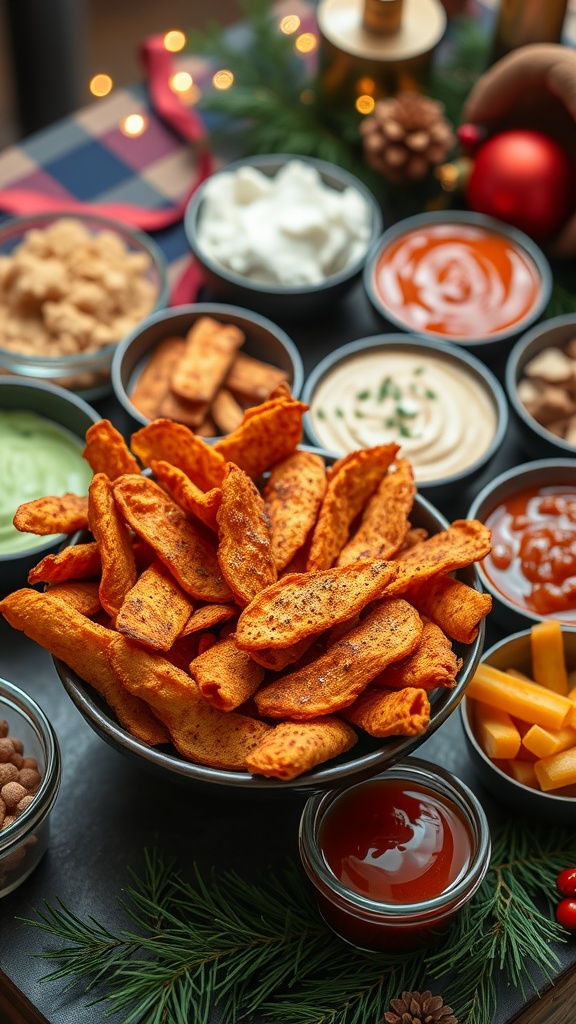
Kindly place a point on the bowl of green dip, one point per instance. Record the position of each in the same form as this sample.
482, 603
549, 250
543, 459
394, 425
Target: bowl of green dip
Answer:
42, 431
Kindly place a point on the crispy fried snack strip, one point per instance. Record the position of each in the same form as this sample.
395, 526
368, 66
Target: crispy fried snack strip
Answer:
177, 542
52, 514
113, 538
177, 444
244, 547
454, 606
305, 604
267, 434
385, 521
154, 381
390, 712
390, 631
293, 495
295, 747
207, 616
278, 658
155, 610
208, 354
352, 480
174, 407
83, 596
84, 647
199, 731
252, 379
106, 451
203, 505
225, 675
465, 541
226, 411
76, 562
432, 664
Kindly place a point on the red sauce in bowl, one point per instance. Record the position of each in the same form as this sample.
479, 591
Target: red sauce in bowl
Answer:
396, 842
533, 557
458, 280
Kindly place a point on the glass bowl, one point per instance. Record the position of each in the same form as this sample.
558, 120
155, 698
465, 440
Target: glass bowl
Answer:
65, 304
24, 833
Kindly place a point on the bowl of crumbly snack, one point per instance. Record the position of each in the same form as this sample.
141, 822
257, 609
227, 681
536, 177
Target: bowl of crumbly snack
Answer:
203, 365
541, 386
519, 721
257, 615
71, 287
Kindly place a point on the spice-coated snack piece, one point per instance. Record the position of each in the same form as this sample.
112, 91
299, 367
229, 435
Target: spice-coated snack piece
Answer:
52, 514
198, 642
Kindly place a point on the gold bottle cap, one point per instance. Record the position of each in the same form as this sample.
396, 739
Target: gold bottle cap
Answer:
341, 22
383, 16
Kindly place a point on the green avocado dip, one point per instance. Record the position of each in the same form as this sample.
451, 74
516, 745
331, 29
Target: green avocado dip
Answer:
37, 458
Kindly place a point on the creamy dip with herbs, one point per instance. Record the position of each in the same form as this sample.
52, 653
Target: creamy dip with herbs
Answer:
441, 416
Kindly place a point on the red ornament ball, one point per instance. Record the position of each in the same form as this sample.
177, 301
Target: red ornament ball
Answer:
566, 882
566, 914
524, 178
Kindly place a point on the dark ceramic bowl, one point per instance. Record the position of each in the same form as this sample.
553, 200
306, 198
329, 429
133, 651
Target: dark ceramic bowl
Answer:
535, 437
544, 473
514, 652
264, 341
86, 373
275, 300
360, 370
65, 409
446, 287
368, 757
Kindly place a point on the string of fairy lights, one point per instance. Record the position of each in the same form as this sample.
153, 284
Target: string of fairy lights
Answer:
182, 82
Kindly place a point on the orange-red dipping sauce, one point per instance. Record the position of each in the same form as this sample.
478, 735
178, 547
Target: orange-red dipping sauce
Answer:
395, 841
533, 557
458, 280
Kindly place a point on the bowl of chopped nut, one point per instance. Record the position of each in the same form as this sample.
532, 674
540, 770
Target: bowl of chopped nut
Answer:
29, 784
71, 287
541, 387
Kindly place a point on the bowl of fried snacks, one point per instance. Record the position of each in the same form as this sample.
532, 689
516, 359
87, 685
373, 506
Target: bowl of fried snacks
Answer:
71, 287
285, 236
256, 614
203, 365
42, 432
519, 721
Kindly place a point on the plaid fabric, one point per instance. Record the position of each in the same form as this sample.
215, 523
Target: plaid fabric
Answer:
87, 157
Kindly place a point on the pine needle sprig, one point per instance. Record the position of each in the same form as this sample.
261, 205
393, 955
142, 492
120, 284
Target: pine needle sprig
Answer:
244, 947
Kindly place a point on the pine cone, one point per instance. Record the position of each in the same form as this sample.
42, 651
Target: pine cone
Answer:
406, 136
419, 1008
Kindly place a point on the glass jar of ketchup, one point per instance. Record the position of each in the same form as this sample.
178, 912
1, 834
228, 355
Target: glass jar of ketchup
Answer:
394, 858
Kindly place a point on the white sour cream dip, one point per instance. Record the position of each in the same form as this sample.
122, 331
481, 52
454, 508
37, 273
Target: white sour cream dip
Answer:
441, 415
291, 229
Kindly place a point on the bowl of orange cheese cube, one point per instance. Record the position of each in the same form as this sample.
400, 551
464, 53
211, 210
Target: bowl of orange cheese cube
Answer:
519, 720
254, 614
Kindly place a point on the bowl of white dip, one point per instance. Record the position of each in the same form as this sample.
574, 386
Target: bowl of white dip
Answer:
444, 407
281, 235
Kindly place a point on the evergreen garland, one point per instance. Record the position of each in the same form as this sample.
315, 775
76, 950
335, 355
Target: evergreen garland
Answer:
261, 950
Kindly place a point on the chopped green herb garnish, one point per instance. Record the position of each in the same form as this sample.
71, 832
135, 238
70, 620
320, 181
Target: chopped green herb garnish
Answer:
339, 414
404, 431
359, 414
401, 410
389, 389
430, 394
418, 369
321, 414
363, 395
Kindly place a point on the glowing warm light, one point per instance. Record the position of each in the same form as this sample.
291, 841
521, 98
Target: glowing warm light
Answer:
101, 85
175, 41
181, 82
290, 24
366, 85
133, 125
223, 79
306, 43
365, 104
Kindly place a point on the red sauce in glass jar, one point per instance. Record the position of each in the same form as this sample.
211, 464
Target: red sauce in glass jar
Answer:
533, 557
395, 842
458, 280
